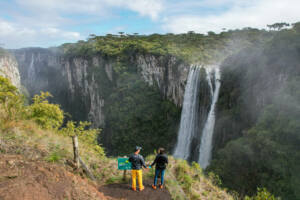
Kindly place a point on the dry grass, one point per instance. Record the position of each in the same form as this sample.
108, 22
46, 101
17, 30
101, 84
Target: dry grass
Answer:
25, 137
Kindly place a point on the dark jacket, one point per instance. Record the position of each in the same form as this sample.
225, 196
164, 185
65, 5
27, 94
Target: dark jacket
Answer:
137, 161
161, 161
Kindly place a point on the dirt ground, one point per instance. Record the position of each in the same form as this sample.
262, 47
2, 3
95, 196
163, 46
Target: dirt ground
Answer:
123, 191
24, 179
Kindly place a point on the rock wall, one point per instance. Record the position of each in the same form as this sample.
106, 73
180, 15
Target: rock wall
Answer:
168, 73
81, 84
85, 88
40, 69
9, 69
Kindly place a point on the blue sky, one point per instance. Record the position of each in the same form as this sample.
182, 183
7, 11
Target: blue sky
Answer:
47, 23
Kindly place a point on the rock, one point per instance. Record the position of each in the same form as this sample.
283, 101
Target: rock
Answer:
80, 84
9, 69
11, 162
168, 73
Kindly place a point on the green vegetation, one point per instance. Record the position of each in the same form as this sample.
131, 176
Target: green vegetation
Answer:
24, 131
136, 114
262, 194
88, 136
10, 99
258, 125
187, 181
45, 114
255, 140
56, 153
24, 136
191, 47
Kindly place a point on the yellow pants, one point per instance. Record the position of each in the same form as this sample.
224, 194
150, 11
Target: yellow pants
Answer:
139, 175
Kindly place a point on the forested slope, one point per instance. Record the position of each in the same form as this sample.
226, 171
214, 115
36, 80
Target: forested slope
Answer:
257, 131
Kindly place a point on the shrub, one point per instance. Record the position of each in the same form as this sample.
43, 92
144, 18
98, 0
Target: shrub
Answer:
56, 153
215, 179
10, 100
183, 175
262, 194
47, 115
88, 136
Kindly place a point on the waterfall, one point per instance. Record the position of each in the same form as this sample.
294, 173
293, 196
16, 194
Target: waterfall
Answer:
31, 71
207, 134
188, 121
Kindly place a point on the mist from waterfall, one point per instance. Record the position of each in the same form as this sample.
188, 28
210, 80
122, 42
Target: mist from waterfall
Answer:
31, 70
188, 121
208, 130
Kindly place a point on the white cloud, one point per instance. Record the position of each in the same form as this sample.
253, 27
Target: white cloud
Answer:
15, 36
6, 28
150, 8
67, 6
55, 33
242, 14
46, 22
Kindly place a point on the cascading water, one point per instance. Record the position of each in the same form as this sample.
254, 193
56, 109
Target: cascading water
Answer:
207, 134
31, 71
188, 120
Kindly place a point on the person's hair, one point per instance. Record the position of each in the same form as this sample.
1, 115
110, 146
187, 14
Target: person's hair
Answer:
161, 150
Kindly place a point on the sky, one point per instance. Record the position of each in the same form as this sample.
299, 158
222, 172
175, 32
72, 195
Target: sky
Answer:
45, 23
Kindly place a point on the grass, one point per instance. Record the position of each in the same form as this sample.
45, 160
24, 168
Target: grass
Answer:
186, 181
53, 157
25, 137
116, 179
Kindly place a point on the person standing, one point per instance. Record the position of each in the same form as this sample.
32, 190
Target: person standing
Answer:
160, 163
137, 163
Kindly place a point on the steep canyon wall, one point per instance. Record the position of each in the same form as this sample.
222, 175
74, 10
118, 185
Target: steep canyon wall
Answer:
81, 84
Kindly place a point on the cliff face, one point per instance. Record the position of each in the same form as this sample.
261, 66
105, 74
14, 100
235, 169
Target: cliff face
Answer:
39, 69
86, 88
81, 84
9, 69
169, 74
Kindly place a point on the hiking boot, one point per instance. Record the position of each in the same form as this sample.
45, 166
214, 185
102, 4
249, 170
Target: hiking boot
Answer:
134, 189
154, 187
141, 189
161, 186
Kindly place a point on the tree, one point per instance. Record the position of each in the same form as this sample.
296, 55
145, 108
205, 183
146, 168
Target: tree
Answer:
121, 33
296, 26
278, 26
191, 32
85, 134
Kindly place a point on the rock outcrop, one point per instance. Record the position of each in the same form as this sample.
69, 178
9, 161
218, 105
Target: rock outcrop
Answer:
9, 69
168, 73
